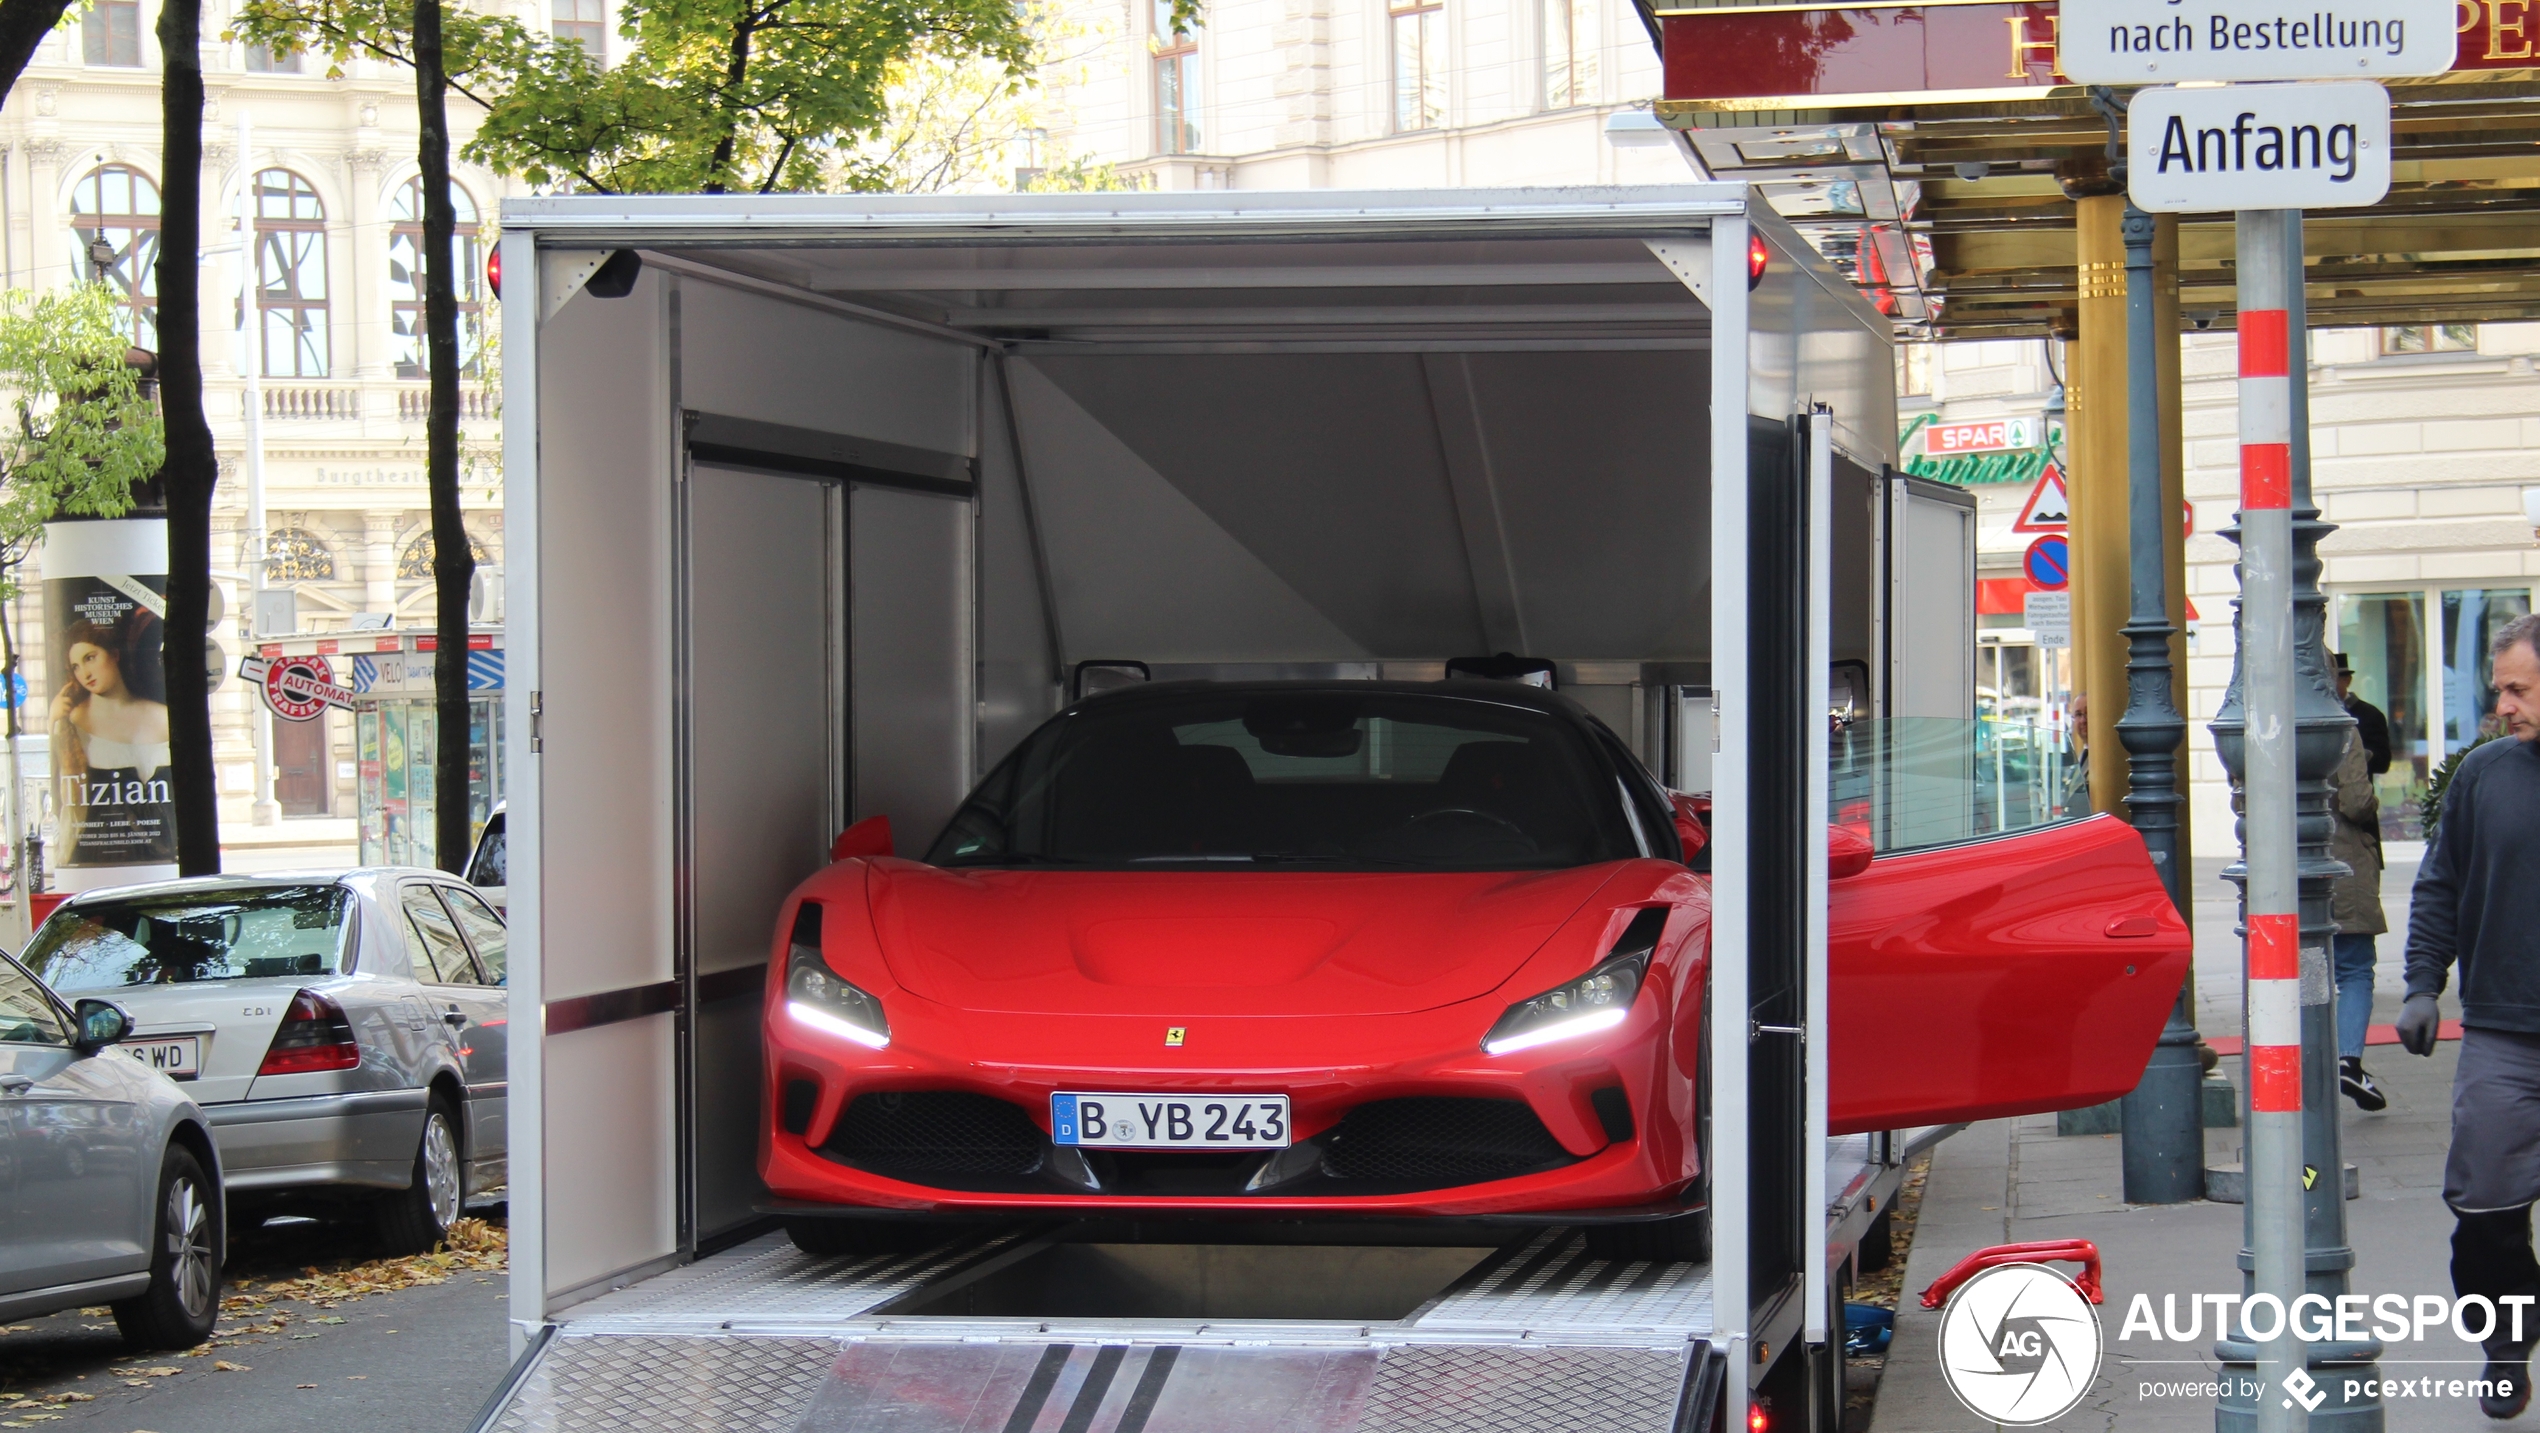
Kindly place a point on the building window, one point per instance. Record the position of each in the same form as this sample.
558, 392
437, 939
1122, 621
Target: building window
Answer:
405, 278
1176, 84
581, 22
1419, 63
295, 554
291, 275
121, 206
110, 33
416, 560
1569, 53
262, 60
2430, 338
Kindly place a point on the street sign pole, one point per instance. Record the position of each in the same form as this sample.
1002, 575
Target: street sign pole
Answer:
2271, 890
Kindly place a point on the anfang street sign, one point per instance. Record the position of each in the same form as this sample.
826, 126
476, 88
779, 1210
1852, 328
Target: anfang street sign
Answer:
2238, 147
2133, 42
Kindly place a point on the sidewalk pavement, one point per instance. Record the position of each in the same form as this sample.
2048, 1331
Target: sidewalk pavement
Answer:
2007, 1181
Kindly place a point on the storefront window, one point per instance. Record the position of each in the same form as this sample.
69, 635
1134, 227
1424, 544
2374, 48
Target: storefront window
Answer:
2383, 637
2471, 620
396, 739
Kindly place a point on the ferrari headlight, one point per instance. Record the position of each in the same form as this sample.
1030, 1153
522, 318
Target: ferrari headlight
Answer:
1598, 1000
816, 996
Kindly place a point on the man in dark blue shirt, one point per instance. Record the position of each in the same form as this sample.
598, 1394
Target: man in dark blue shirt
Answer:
2477, 904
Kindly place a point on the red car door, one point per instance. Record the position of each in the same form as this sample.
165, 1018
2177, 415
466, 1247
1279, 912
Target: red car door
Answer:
2007, 976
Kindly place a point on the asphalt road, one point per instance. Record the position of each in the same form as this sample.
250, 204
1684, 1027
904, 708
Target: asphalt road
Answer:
416, 1360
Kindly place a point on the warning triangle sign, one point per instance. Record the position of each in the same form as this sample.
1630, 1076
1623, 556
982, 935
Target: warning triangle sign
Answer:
2047, 509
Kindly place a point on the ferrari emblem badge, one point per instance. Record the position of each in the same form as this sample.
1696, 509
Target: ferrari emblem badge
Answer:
1173, 1036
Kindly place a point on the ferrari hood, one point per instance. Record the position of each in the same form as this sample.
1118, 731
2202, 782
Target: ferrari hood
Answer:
1214, 943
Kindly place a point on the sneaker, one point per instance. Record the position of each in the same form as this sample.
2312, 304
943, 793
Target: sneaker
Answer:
2508, 1379
2360, 1086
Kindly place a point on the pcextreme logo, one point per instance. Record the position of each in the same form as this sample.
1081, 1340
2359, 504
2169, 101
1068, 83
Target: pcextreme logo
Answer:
2019, 1345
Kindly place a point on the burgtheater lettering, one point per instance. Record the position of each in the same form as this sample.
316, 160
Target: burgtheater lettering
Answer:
2275, 148
2320, 30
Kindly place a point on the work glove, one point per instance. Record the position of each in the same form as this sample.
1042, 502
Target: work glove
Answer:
2419, 1022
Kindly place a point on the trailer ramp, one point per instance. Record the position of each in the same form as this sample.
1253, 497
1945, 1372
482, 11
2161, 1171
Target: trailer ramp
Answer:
1537, 1337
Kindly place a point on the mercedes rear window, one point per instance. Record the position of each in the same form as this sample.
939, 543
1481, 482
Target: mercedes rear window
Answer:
178, 939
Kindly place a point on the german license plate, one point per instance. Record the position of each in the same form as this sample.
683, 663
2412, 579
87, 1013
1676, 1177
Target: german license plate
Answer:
179, 1057
1171, 1121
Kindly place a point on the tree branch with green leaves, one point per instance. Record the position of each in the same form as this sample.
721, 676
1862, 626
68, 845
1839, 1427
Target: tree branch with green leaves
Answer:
80, 434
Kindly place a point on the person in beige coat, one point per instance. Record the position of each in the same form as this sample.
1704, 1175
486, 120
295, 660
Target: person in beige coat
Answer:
2355, 905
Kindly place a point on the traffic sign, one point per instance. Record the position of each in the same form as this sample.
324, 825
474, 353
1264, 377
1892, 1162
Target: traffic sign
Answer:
2236, 147
2049, 508
2048, 616
2137, 42
2049, 563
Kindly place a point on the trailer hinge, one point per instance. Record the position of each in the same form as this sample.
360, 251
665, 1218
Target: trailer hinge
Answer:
537, 721
1756, 1031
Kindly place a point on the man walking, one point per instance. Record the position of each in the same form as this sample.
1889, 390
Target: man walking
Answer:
2355, 904
2477, 902
2370, 724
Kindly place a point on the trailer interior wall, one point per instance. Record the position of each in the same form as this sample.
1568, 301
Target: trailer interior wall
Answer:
814, 522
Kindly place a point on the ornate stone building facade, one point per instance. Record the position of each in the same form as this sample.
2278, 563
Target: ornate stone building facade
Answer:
337, 272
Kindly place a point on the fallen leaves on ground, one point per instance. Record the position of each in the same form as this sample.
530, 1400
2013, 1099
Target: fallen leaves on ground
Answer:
473, 1244
222, 1365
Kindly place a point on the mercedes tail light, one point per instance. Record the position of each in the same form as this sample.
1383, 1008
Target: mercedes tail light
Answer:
314, 1036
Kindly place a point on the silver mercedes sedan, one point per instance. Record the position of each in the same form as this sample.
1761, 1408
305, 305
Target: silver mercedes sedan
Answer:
344, 1032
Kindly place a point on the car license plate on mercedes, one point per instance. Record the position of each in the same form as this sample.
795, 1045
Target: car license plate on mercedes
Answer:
179, 1057
1171, 1121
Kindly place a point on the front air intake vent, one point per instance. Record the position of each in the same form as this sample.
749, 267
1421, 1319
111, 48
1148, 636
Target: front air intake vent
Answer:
1435, 1142
924, 1135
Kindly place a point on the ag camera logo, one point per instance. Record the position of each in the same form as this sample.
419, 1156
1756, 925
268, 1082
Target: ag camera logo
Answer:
2019, 1345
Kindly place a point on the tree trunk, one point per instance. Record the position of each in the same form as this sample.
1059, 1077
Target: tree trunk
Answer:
23, 26
453, 566
190, 471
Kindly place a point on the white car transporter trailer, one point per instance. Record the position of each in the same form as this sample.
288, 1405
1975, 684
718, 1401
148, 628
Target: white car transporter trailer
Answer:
815, 506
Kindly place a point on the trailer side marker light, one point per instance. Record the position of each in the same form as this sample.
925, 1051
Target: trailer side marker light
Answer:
1756, 257
1757, 1420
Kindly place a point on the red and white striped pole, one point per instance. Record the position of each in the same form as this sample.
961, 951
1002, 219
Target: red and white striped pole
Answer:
2273, 996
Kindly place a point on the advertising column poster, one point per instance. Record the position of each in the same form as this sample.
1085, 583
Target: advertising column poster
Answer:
105, 604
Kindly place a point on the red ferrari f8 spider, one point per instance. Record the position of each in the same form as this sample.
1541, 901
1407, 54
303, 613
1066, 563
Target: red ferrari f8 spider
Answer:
1385, 948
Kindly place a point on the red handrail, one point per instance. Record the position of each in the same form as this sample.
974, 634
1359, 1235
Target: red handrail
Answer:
2076, 1251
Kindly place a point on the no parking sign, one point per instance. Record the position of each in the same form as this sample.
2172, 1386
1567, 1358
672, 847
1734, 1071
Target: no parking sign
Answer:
2049, 563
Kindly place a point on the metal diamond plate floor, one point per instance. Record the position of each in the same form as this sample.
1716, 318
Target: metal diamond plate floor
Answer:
1552, 1281
623, 1383
768, 1278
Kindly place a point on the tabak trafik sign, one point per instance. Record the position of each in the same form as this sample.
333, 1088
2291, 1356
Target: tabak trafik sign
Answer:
1940, 51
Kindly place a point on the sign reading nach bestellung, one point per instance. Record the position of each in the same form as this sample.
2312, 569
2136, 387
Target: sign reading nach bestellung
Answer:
2217, 150
2133, 42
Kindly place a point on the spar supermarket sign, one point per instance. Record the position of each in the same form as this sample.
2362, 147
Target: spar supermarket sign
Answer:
1984, 435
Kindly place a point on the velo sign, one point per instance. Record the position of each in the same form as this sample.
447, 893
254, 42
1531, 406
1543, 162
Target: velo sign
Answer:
2049, 563
2208, 151
297, 688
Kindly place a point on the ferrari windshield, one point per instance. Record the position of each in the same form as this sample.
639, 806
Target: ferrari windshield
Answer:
181, 937
1315, 779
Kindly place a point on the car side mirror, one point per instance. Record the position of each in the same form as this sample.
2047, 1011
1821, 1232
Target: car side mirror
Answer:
101, 1023
1848, 853
1691, 832
868, 837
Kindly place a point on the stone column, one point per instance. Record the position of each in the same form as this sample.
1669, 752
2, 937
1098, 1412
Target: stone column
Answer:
379, 560
363, 347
